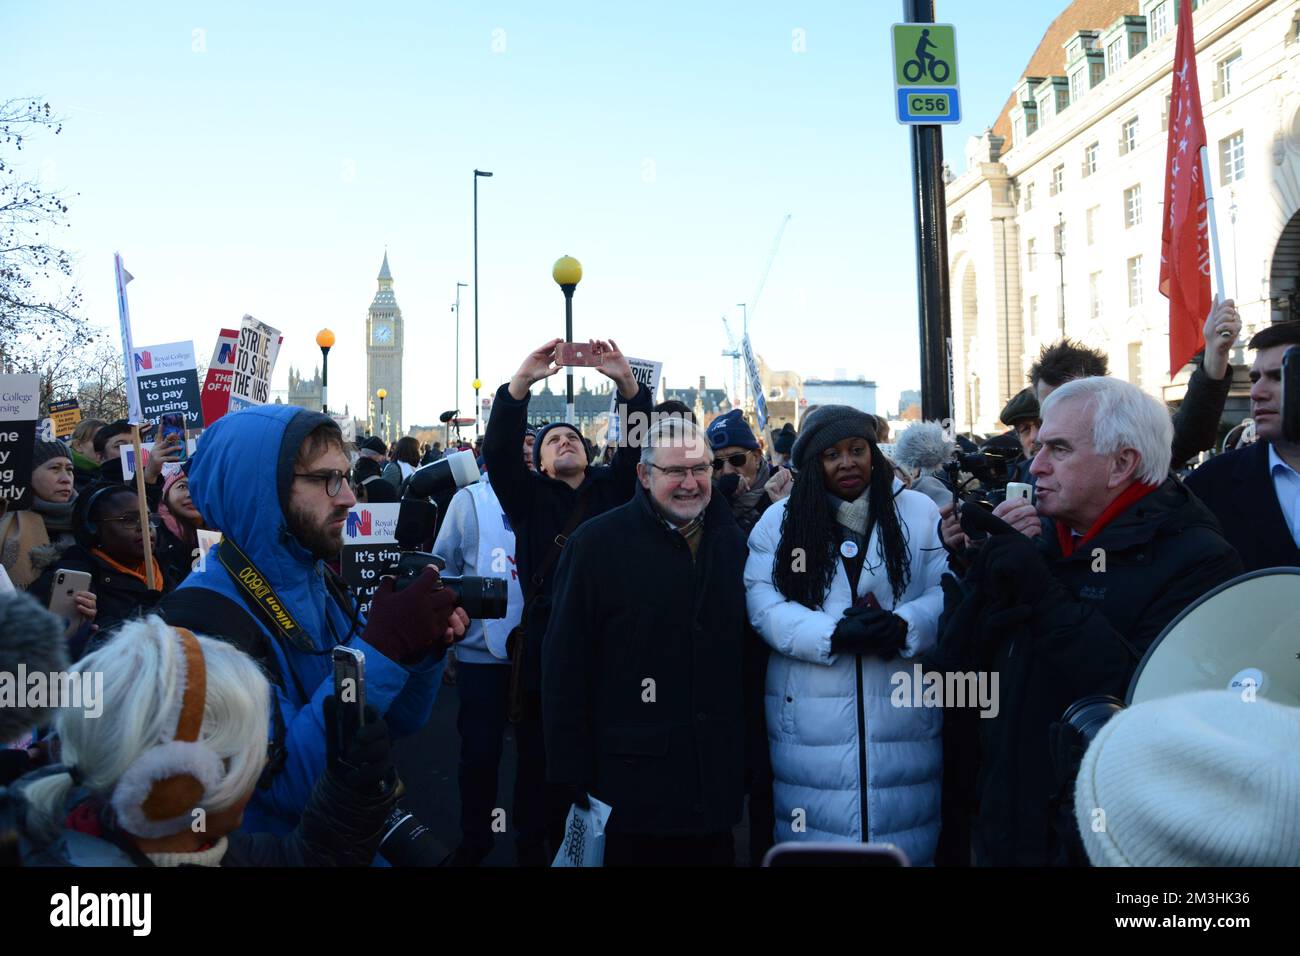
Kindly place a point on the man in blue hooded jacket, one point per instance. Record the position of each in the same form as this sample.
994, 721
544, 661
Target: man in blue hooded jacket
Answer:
273, 480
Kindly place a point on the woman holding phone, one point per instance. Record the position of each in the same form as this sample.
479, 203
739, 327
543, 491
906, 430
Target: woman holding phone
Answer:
178, 537
110, 547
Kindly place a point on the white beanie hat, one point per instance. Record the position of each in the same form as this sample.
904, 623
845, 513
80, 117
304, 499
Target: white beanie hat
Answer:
1199, 779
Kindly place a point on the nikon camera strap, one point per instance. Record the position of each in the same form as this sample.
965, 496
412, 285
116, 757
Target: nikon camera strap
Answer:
261, 598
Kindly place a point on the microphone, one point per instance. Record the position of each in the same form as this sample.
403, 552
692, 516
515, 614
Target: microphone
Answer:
923, 447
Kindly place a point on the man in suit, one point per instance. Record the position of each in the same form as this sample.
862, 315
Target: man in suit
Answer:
1255, 491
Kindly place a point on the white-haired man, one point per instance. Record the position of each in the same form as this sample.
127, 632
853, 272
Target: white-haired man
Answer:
642, 661
1069, 613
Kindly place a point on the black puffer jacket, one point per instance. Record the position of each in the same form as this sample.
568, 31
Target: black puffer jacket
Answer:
119, 597
632, 606
1115, 595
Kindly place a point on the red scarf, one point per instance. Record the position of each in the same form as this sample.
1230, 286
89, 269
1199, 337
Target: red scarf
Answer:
1133, 493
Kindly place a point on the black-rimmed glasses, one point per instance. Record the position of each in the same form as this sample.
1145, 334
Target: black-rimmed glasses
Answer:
333, 479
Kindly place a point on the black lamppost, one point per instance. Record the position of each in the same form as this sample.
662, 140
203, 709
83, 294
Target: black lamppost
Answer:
456, 308
325, 339
477, 381
567, 273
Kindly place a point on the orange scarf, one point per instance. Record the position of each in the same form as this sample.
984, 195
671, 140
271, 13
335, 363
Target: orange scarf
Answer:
137, 572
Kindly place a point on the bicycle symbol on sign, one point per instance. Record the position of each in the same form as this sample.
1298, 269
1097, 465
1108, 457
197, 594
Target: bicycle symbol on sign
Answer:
925, 62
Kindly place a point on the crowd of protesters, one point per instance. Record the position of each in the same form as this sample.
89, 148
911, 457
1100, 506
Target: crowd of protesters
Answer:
701, 621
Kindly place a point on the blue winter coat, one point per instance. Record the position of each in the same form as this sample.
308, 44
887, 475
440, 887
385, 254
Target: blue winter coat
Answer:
240, 481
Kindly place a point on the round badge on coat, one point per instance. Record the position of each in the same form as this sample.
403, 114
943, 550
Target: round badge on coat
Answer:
849, 550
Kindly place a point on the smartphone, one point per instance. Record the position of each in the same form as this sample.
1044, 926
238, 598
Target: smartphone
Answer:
1291, 395
1020, 491
63, 604
172, 425
350, 692
581, 354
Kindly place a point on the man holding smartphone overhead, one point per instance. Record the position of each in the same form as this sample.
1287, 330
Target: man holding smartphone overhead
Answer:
544, 507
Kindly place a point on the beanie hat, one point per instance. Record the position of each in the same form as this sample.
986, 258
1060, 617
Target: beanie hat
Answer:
376, 444
1198, 779
1022, 407
783, 440
827, 426
45, 450
731, 431
541, 437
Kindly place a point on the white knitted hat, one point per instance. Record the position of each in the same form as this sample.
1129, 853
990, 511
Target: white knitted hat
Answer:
1199, 779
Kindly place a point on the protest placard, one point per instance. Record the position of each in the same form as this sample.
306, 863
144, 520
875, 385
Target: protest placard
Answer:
755, 385
369, 548
19, 408
647, 373
168, 381
259, 344
216, 384
66, 415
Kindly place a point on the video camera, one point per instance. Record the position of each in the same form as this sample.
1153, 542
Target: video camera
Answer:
481, 598
990, 467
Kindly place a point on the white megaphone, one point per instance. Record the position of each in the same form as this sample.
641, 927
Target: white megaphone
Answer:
1244, 635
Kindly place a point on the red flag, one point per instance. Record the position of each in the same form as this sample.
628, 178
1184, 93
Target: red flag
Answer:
1185, 240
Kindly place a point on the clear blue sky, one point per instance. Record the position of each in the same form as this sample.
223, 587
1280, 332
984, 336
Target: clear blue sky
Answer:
661, 144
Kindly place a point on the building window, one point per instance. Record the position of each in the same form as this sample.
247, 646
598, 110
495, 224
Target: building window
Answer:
1058, 180
1164, 117
1076, 84
1232, 158
1229, 70
1029, 196
1135, 364
1094, 296
1090, 153
1135, 282
1128, 136
1033, 316
1159, 20
1062, 100
959, 223
1114, 56
1031, 255
1092, 224
1133, 206
1137, 42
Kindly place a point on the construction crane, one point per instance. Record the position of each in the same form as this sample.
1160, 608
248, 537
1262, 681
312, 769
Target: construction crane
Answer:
771, 257
734, 350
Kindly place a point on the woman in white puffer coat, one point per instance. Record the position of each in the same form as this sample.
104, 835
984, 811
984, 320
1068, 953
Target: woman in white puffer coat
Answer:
848, 764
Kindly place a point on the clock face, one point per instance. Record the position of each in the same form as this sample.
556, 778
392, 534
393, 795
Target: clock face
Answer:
383, 334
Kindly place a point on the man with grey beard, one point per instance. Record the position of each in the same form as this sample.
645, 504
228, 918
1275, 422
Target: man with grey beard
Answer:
642, 662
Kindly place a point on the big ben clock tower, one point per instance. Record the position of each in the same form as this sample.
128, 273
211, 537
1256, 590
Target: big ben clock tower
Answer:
384, 358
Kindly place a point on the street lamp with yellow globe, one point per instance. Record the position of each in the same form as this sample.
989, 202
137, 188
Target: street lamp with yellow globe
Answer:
383, 422
567, 273
325, 339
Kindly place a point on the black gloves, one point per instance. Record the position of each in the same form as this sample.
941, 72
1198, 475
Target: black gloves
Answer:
1013, 570
406, 625
869, 630
728, 484
365, 766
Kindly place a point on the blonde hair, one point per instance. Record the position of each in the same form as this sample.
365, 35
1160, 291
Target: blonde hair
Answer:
143, 680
